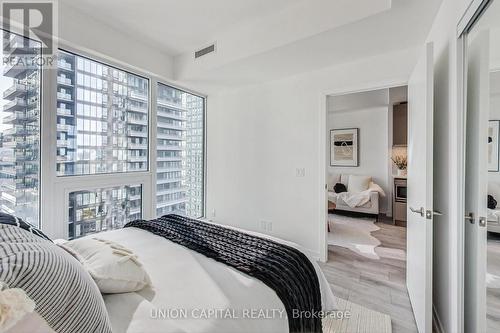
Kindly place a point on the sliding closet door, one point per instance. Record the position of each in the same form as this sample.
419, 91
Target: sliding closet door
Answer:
476, 181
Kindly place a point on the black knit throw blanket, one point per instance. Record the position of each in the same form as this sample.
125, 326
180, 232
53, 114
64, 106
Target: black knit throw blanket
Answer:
284, 269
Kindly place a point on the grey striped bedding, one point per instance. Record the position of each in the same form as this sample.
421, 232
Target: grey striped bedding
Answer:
64, 293
16, 221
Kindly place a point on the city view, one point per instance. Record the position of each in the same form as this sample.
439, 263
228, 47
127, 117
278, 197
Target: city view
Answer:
102, 127
20, 131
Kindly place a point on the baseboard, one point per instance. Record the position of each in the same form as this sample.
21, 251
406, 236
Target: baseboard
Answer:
437, 327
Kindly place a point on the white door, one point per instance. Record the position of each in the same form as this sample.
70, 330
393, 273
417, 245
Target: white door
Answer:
476, 182
420, 178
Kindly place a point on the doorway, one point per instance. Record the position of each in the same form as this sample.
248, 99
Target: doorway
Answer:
366, 162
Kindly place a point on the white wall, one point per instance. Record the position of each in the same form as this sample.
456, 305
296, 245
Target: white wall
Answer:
259, 135
83, 32
373, 126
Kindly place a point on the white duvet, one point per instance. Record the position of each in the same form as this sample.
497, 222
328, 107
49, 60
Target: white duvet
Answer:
192, 293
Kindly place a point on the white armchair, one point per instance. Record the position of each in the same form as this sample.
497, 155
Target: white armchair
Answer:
371, 207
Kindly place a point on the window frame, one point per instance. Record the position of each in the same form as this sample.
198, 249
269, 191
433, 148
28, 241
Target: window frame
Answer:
142, 76
204, 144
56, 189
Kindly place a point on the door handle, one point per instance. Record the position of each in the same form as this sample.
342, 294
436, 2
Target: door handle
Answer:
420, 211
429, 214
470, 217
483, 221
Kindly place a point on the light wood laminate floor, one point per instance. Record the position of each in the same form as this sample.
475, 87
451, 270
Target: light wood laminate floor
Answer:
376, 284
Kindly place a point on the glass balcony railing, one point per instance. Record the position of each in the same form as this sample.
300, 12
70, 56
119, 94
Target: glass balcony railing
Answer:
64, 81
15, 105
62, 64
15, 90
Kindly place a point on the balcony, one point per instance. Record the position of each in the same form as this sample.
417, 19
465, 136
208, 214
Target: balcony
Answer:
168, 169
168, 158
166, 203
63, 112
18, 45
162, 112
64, 81
64, 143
15, 144
168, 181
166, 125
64, 159
139, 134
169, 136
65, 128
138, 95
168, 147
14, 91
135, 197
16, 131
136, 108
15, 186
16, 66
62, 64
135, 211
137, 121
21, 117
134, 159
17, 104
137, 146
62, 96
20, 157
170, 105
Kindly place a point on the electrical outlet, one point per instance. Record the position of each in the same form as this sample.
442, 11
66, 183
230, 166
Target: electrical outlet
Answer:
300, 172
213, 213
263, 225
266, 225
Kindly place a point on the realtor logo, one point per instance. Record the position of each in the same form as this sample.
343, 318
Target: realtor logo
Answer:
33, 20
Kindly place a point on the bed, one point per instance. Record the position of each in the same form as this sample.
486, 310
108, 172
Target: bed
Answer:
189, 291
186, 280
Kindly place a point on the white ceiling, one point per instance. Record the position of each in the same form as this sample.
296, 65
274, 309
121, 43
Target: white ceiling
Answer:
260, 40
177, 26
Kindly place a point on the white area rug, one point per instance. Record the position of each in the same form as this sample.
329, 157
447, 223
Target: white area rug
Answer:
361, 320
354, 233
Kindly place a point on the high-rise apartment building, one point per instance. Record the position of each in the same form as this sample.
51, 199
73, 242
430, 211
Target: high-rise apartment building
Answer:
179, 152
20, 123
102, 127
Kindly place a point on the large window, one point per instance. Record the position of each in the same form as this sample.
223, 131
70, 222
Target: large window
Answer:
20, 128
100, 176
102, 118
180, 119
103, 209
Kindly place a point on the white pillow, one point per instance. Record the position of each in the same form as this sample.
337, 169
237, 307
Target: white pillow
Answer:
494, 190
358, 183
344, 179
114, 268
376, 188
333, 178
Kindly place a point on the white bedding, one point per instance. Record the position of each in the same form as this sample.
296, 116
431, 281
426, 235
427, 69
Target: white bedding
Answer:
187, 281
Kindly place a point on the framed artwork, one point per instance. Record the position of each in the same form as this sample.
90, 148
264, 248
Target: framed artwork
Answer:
344, 147
493, 132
